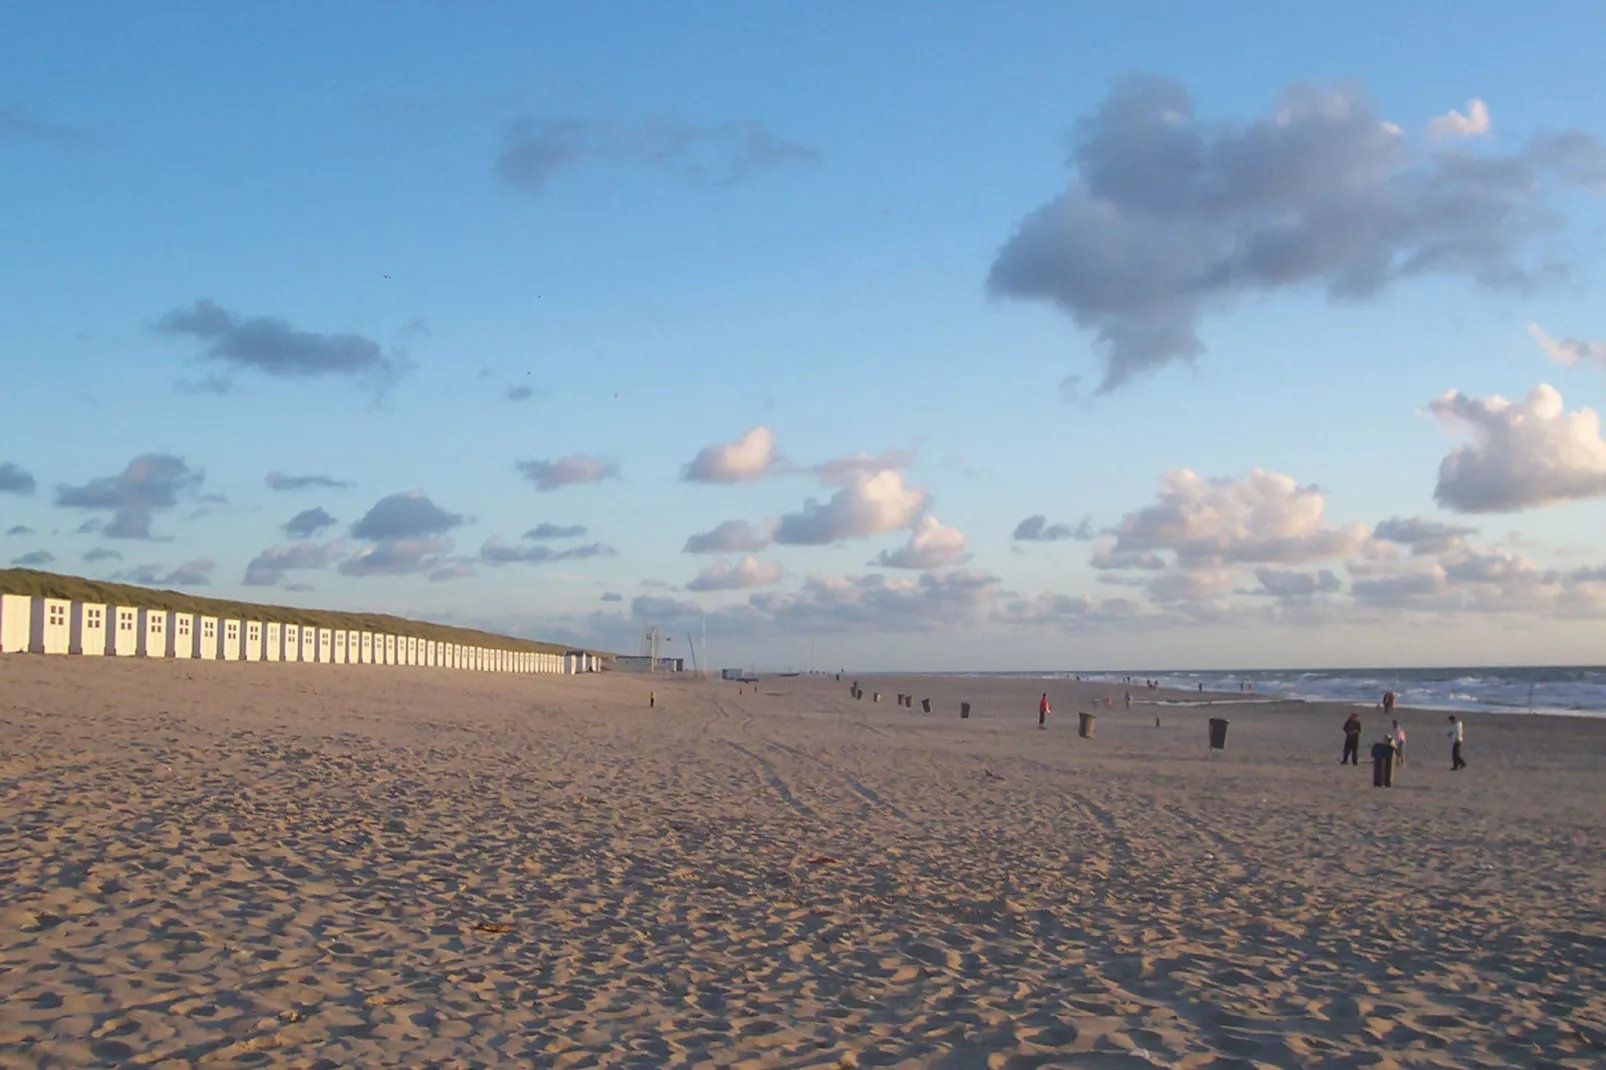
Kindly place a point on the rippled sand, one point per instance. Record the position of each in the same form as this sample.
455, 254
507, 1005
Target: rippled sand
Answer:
301, 865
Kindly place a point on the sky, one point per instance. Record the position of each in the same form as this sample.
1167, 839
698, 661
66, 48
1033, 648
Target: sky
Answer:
971, 337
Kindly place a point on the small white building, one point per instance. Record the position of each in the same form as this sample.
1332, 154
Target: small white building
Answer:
365, 646
292, 642
206, 645
412, 650
153, 633
353, 647
230, 649
309, 643
390, 650
429, 653
16, 623
88, 629
272, 641
122, 640
52, 626
252, 648
340, 646
181, 635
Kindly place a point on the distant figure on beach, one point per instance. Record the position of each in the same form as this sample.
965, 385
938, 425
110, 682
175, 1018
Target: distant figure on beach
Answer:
1352, 740
1397, 733
1458, 736
1201, 688
1129, 699
1388, 704
1042, 711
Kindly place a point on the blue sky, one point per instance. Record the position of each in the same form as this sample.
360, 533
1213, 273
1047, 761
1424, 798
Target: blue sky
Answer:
675, 224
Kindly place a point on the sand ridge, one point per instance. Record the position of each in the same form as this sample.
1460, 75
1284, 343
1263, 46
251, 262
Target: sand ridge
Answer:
233, 864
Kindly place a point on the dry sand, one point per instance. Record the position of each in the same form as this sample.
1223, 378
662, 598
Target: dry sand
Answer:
299, 865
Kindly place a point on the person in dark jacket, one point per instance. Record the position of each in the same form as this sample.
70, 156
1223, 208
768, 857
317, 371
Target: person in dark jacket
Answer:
1352, 740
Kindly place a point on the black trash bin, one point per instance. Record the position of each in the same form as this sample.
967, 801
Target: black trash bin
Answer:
1382, 765
1218, 733
925, 705
964, 709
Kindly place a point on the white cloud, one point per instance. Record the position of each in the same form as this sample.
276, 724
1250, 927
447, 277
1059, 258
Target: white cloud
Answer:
748, 458
746, 573
932, 544
1291, 584
567, 471
1523, 454
1568, 351
730, 537
1422, 535
1474, 123
870, 502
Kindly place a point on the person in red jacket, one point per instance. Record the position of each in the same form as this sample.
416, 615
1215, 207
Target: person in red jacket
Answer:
1042, 711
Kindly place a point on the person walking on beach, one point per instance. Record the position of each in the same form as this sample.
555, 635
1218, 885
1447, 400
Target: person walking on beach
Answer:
1458, 736
1042, 711
1352, 740
1388, 704
1398, 736
1129, 698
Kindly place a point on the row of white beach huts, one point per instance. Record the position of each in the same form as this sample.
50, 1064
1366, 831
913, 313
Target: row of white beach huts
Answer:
58, 626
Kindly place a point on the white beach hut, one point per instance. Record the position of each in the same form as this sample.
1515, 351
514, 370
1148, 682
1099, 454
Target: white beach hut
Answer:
390, 649
229, 649
340, 646
272, 641
252, 647
353, 647
52, 626
309, 643
153, 633
181, 635
292, 642
88, 629
122, 637
326, 646
16, 622
412, 651
206, 645
366, 645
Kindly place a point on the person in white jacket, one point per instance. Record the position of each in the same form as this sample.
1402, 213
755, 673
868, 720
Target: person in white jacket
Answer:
1458, 736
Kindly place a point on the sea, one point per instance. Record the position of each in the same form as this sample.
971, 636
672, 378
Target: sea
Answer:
1577, 690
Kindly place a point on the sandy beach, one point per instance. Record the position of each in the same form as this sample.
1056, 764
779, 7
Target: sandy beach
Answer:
225, 864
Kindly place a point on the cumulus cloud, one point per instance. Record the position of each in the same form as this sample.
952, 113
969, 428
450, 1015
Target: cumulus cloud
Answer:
534, 152
842, 470
272, 346
1070, 612
398, 557
151, 483
869, 503
746, 573
101, 553
1422, 535
1522, 455
932, 544
1452, 124
19, 529
280, 481
1038, 529
545, 530
567, 471
613, 596
1168, 215
729, 537
36, 559
496, 552
197, 573
1107, 558
308, 523
522, 392
269, 568
1278, 581
14, 480
746, 459
407, 515
877, 603
1569, 351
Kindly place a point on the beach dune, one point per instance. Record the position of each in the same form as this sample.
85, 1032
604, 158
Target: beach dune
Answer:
229, 864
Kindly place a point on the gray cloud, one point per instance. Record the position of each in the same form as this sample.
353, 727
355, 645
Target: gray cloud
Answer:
101, 553
14, 480
1292, 584
567, 471
1038, 529
728, 537
457, 570
519, 393
399, 557
496, 552
613, 596
19, 124
20, 529
545, 530
1422, 535
534, 152
308, 522
746, 573
280, 481
36, 559
151, 483
196, 573
1168, 216
407, 515
271, 345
